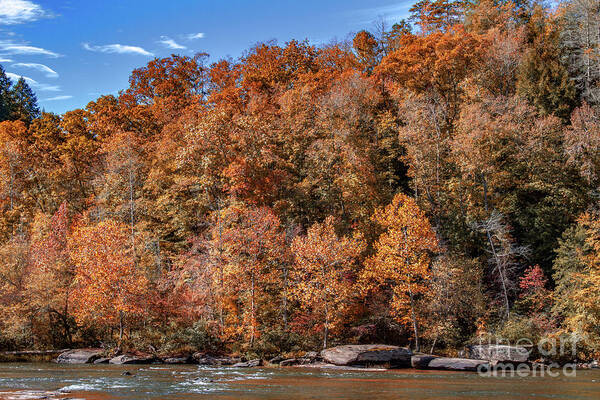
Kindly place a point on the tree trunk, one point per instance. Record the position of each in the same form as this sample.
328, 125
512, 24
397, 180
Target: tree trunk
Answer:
284, 300
326, 325
121, 318
252, 311
414, 321
131, 209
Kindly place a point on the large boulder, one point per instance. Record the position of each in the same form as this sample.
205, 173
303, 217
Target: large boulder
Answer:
79, 356
368, 354
248, 364
289, 362
132, 359
204, 359
457, 364
179, 360
497, 353
421, 361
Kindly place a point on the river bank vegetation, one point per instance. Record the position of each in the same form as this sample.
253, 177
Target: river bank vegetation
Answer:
426, 183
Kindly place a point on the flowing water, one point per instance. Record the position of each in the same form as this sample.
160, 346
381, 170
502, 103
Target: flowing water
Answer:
100, 382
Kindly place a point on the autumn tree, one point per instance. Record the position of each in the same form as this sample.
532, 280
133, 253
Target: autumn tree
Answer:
50, 281
323, 273
455, 301
109, 288
402, 258
581, 21
252, 240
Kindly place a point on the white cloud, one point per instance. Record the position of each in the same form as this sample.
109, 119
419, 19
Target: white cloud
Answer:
16, 77
58, 98
118, 49
192, 36
170, 43
50, 73
20, 11
9, 47
42, 87
390, 13
5, 60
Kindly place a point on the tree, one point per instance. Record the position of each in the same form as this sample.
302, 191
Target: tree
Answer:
50, 282
402, 258
577, 275
543, 78
252, 240
25, 107
579, 39
437, 15
367, 49
6, 105
323, 272
582, 139
108, 286
535, 299
455, 300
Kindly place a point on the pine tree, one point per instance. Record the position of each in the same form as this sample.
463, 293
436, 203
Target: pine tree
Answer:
5, 96
543, 79
24, 102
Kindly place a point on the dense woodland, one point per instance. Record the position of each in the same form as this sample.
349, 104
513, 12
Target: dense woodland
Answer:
423, 184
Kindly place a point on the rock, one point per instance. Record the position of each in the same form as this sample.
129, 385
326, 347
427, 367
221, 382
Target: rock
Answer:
498, 353
276, 360
289, 362
311, 354
178, 360
248, 364
102, 360
203, 359
458, 364
132, 359
79, 356
367, 354
594, 364
421, 361
127, 373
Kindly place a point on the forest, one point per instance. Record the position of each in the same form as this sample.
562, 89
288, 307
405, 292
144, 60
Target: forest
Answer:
429, 184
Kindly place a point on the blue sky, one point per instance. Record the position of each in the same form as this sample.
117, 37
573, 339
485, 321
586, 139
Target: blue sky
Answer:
71, 51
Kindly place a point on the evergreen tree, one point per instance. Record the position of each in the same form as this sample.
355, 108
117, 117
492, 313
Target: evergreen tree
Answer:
543, 79
5, 96
24, 107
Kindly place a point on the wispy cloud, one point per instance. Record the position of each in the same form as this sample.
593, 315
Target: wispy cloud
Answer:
5, 60
192, 36
170, 43
42, 87
390, 13
9, 47
118, 49
49, 72
58, 98
14, 12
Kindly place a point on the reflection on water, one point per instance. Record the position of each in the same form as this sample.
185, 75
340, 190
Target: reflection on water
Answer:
100, 382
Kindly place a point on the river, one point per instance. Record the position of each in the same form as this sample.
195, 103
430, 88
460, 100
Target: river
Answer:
100, 382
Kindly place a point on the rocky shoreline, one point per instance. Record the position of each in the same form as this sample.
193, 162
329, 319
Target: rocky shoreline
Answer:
374, 356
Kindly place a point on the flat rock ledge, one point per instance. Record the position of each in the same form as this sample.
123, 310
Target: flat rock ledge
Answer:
79, 356
449, 363
496, 353
132, 359
368, 354
249, 364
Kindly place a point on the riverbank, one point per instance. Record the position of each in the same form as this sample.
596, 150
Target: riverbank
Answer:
192, 382
361, 357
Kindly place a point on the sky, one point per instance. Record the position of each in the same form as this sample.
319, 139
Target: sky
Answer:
71, 52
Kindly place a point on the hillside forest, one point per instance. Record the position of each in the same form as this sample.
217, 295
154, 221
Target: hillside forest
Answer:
426, 184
